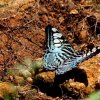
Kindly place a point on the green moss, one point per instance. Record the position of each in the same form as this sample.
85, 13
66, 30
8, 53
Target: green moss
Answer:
94, 96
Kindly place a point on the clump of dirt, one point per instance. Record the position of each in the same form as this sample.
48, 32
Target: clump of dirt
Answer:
22, 35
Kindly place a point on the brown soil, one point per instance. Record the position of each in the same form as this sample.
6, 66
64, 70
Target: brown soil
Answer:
22, 35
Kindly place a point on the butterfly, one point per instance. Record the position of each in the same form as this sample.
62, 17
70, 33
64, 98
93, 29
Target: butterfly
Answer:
59, 55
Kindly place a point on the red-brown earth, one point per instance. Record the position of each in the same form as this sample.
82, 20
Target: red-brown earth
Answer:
22, 35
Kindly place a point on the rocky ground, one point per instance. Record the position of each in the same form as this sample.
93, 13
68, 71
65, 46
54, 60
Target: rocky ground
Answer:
22, 46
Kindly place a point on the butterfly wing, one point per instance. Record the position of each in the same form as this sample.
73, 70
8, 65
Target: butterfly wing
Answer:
58, 49
60, 56
55, 40
66, 66
72, 63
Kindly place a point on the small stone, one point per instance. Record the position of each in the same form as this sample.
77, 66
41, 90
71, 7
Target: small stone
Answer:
61, 19
30, 80
47, 77
19, 80
74, 11
83, 35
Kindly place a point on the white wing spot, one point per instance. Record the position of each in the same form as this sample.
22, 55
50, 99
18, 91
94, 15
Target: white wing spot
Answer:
57, 34
54, 29
56, 41
61, 40
84, 55
88, 53
57, 45
99, 47
94, 49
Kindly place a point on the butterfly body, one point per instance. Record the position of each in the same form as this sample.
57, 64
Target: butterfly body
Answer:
60, 56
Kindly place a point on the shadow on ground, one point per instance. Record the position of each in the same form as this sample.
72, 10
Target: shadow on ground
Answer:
55, 89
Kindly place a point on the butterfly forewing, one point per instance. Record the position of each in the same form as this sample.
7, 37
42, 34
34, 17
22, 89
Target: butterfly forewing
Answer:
55, 40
